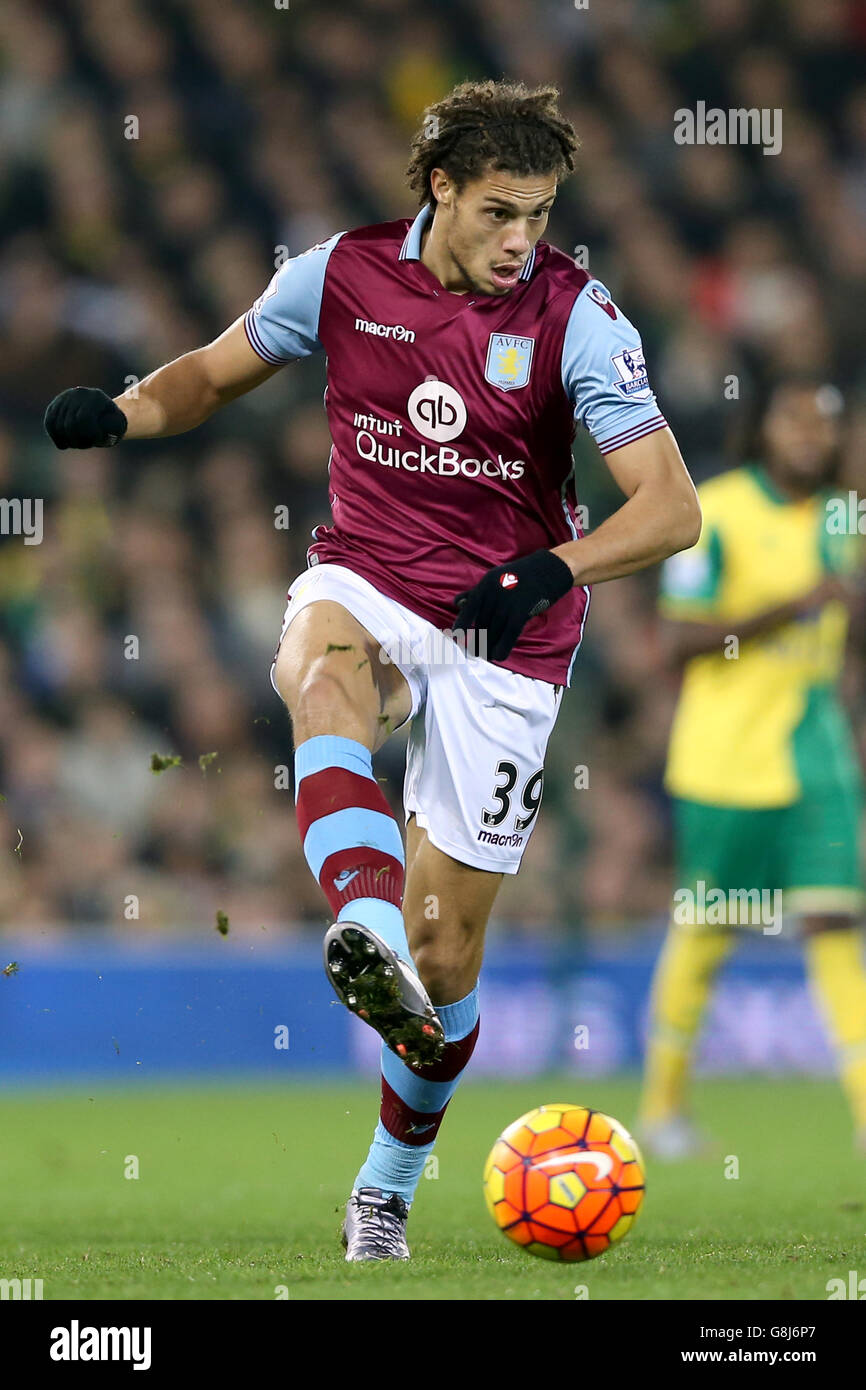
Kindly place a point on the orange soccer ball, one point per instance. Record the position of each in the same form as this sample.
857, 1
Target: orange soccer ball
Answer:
564, 1182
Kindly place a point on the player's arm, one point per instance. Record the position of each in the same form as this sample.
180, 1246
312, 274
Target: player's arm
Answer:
661, 516
684, 638
604, 377
692, 611
184, 393
280, 327
174, 398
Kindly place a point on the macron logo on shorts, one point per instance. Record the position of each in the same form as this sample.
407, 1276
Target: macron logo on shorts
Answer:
508, 580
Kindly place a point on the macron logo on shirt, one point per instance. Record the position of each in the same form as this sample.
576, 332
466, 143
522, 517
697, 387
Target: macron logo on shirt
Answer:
385, 330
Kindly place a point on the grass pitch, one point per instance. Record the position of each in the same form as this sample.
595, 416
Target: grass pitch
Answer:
241, 1189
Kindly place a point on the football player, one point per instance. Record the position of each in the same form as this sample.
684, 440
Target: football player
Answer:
451, 590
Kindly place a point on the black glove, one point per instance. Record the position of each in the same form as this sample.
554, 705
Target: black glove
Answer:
505, 598
84, 418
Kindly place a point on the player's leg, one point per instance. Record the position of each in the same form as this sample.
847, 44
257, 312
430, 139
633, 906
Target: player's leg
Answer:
837, 973
824, 888
473, 788
333, 681
344, 700
446, 908
717, 847
682, 982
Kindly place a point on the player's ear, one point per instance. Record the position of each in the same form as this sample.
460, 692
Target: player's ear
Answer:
442, 187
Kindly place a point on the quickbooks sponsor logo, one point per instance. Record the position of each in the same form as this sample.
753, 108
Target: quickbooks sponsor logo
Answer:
437, 411
442, 462
386, 330
376, 424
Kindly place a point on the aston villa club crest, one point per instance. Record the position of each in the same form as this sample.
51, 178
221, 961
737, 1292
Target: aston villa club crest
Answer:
509, 359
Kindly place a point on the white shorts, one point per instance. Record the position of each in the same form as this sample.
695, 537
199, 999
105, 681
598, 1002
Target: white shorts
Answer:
474, 764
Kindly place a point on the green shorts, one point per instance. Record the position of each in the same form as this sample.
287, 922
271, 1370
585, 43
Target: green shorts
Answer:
804, 857
808, 851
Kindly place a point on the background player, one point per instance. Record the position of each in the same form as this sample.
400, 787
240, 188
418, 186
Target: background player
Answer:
762, 764
461, 348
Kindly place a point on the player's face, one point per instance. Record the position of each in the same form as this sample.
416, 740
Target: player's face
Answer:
491, 226
801, 434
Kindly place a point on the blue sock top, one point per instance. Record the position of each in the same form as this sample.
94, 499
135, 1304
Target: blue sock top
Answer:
330, 750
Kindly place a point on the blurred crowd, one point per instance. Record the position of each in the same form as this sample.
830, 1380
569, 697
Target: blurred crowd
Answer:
154, 159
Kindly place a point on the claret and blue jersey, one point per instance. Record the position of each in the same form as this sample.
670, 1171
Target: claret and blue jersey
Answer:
452, 416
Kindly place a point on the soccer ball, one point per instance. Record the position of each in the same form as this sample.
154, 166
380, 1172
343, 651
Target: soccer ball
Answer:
564, 1182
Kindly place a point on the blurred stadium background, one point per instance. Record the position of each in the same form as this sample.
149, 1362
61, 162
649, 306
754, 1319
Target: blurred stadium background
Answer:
258, 128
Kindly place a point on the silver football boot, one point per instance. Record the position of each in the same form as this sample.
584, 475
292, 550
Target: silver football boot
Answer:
375, 1226
374, 983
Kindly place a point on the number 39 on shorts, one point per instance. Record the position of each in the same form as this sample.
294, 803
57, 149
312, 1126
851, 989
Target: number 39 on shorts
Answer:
506, 792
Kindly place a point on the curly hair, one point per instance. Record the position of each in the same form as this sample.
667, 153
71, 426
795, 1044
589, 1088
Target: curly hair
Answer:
491, 125
745, 440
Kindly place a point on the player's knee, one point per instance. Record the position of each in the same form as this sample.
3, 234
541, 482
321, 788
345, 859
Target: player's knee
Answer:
817, 924
444, 968
322, 703
441, 979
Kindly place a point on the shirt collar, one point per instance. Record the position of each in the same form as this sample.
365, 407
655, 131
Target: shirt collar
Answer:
411, 248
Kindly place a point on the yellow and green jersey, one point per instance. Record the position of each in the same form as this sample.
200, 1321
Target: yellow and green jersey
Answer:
758, 723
